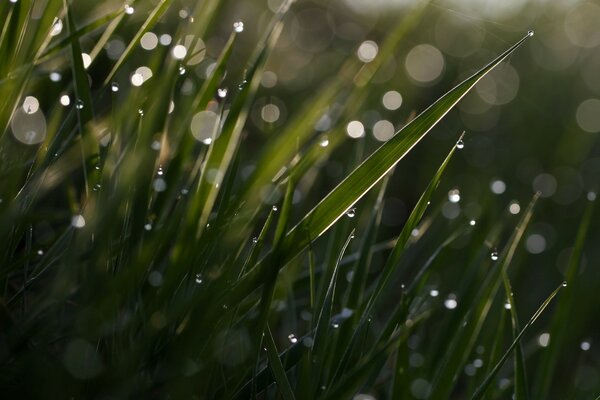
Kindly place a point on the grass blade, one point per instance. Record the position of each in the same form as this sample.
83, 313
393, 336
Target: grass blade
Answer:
486, 383
277, 367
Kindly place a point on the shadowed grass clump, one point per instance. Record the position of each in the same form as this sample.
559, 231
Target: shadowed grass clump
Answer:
154, 246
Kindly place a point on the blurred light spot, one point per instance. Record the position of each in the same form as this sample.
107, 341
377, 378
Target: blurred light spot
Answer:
183, 13
420, 388
392, 100
159, 185
367, 51
455, 38
500, 86
545, 184
514, 208
416, 360
129, 9
65, 100
585, 345
363, 396
581, 25
450, 210
137, 79
544, 339
434, 293
355, 129
149, 41
238, 26
87, 60
155, 278
588, 115
114, 48
81, 360
165, 39
450, 303
270, 113
383, 130
145, 72
478, 363
424, 63
55, 76
268, 79
31, 105
29, 127
203, 126
535, 243
498, 186
179, 52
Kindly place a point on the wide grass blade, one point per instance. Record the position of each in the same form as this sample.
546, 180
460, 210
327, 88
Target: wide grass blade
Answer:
371, 171
277, 367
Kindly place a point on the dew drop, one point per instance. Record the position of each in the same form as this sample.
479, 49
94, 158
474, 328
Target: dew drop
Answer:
292, 338
564, 284
238, 26
454, 195
324, 142
57, 27
181, 70
530, 33
79, 105
222, 92
507, 306
78, 221
254, 239
335, 325
472, 222
199, 281
141, 112
242, 85
351, 213
460, 144
114, 87
129, 9
494, 255
274, 208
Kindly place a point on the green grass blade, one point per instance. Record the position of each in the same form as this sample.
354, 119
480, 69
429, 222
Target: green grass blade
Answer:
566, 304
152, 19
462, 343
277, 367
371, 171
374, 168
520, 390
488, 380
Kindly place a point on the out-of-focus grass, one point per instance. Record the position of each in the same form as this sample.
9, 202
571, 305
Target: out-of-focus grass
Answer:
149, 251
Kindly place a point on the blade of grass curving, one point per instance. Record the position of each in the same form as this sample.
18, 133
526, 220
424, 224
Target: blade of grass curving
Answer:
520, 386
277, 367
488, 380
221, 152
371, 171
318, 352
411, 223
566, 304
462, 343
366, 175
152, 19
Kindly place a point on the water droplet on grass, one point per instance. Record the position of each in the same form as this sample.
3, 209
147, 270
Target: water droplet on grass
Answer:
129, 9
530, 33
324, 142
292, 338
222, 92
199, 281
274, 208
238, 26
454, 195
79, 105
494, 255
114, 87
351, 213
460, 144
